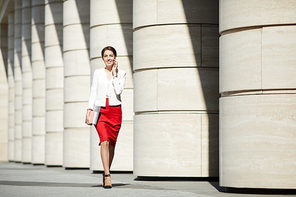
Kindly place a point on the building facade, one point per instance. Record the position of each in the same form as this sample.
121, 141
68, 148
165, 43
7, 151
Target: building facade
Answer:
210, 89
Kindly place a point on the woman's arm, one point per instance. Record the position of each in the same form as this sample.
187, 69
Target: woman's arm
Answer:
93, 91
119, 82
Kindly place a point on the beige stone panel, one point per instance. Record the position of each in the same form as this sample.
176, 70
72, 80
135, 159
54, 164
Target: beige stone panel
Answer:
27, 80
80, 92
126, 64
11, 95
55, 77
279, 57
144, 12
95, 158
26, 62
3, 108
3, 144
257, 141
26, 150
54, 99
188, 89
38, 125
38, 88
76, 151
10, 132
37, 51
27, 96
76, 37
38, 149
241, 13
54, 57
76, 63
76, 11
18, 100
53, 12
11, 123
120, 36
54, 121
17, 131
167, 145
240, 61
27, 112
210, 145
189, 11
53, 34
163, 53
10, 150
27, 128
96, 63
127, 104
38, 107
145, 92
18, 150
37, 33
210, 46
38, 71
74, 115
111, 12
54, 148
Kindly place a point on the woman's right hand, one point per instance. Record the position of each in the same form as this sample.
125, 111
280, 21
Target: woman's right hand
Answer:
88, 117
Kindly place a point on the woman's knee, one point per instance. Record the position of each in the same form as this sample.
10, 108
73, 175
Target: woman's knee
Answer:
105, 144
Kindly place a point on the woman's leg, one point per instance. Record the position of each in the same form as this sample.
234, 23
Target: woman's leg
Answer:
105, 156
111, 154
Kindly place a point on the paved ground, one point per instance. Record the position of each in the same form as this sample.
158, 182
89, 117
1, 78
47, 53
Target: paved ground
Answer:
17, 179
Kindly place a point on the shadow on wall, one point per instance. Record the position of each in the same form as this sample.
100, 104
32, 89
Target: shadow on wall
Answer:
205, 14
84, 15
4, 46
56, 9
124, 8
39, 24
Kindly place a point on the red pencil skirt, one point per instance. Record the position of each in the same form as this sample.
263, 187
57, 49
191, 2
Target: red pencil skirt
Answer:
109, 123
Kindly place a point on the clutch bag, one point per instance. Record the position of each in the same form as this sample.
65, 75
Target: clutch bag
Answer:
94, 115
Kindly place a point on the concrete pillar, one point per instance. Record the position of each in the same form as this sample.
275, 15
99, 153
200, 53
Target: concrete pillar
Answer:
18, 83
54, 82
111, 24
10, 70
27, 83
76, 138
4, 93
38, 75
176, 88
258, 96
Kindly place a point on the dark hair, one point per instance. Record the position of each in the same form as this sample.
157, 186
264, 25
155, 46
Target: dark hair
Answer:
110, 49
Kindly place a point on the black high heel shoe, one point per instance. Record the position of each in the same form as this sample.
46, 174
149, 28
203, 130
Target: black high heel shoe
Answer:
104, 182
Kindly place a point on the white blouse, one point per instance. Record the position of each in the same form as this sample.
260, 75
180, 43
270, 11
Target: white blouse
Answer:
102, 88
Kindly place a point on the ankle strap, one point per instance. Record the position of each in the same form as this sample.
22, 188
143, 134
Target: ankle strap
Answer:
106, 175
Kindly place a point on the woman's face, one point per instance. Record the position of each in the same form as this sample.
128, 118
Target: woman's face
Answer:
109, 58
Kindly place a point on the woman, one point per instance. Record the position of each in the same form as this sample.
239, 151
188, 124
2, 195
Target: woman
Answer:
107, 86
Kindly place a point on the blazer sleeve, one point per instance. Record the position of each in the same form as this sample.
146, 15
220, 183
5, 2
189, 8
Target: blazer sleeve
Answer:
119, 82
93, 91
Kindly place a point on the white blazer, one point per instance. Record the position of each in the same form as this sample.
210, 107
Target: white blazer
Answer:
99, 88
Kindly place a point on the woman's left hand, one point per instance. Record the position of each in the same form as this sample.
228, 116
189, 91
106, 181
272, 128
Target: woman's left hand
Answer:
115, 69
